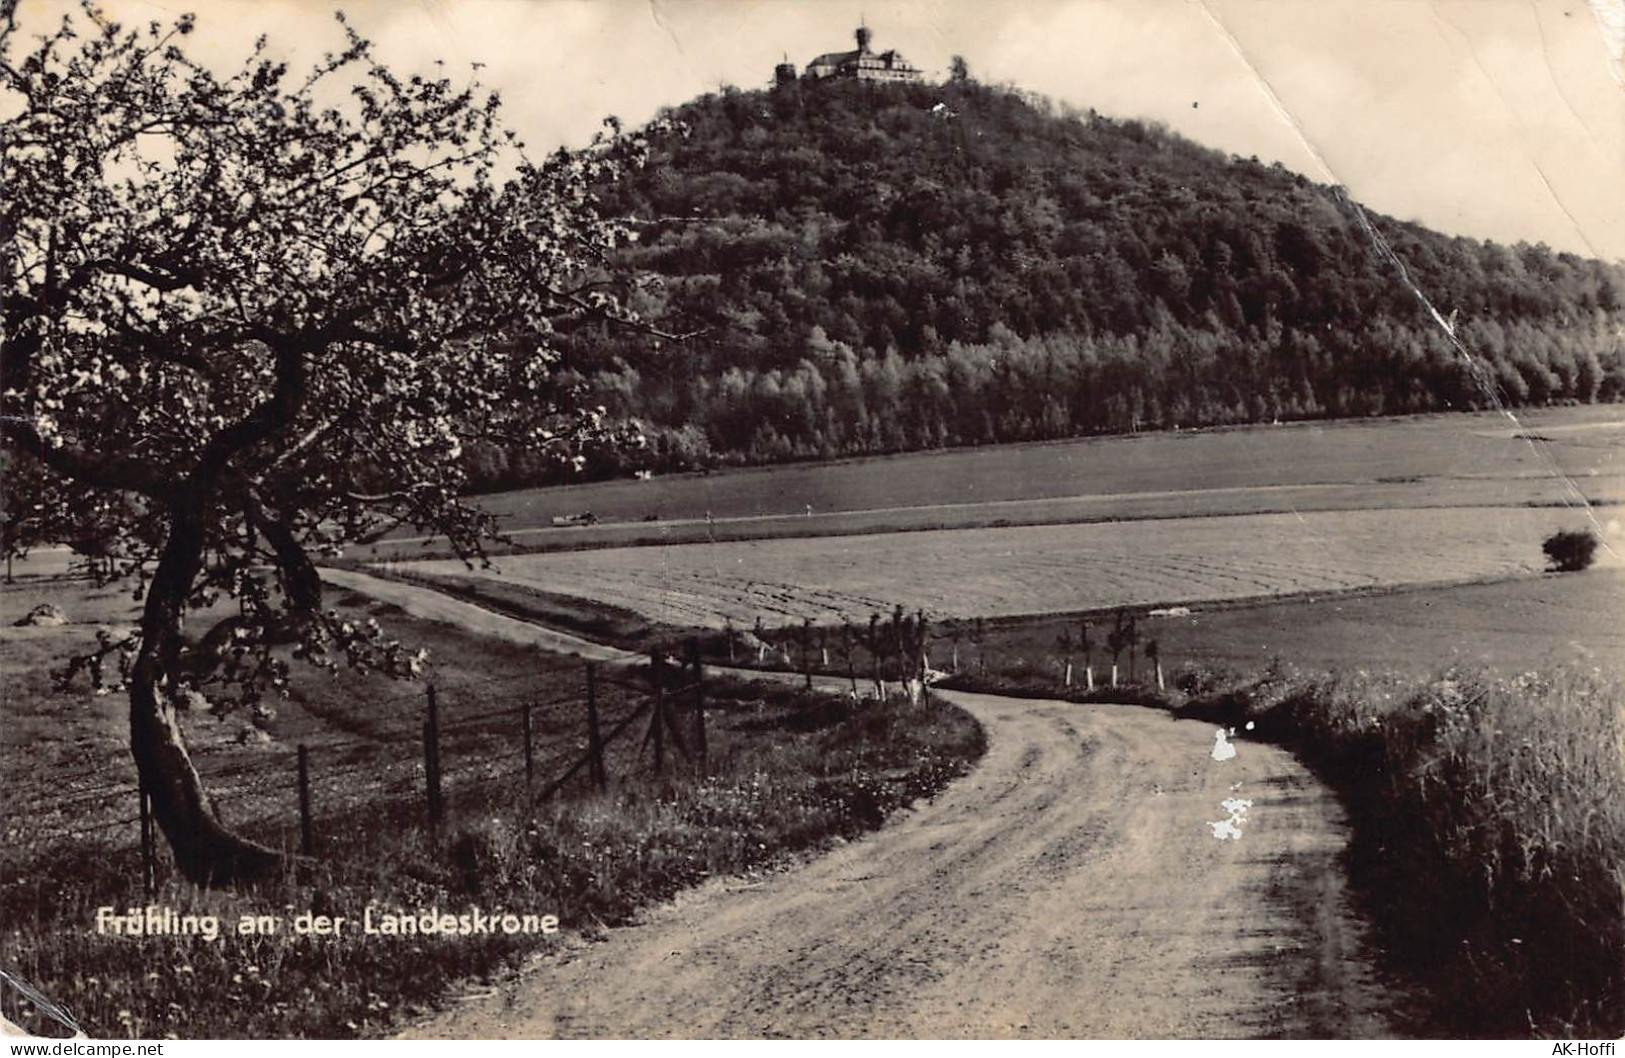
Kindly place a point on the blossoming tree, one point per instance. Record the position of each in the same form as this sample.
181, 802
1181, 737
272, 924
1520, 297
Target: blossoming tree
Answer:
251, 316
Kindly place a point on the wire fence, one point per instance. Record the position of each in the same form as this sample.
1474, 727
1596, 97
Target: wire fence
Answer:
452, 743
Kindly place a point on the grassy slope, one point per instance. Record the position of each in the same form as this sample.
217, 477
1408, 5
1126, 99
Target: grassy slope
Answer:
788, 774
1486, 802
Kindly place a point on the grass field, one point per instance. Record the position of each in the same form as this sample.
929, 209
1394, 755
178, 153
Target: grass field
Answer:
1044, 569
1546, 456
1528, 623
1580, 443
64, 755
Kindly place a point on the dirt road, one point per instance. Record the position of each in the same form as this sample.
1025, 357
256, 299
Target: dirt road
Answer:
1086, 880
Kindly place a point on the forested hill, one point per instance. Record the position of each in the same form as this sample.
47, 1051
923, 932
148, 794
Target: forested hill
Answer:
878, 268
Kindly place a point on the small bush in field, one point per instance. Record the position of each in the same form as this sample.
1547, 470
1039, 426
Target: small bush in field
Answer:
1570, 550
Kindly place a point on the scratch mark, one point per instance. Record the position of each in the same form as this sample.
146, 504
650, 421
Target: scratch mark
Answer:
1540, 172
654, 13
1268, 91
1512, 116
1611, 16
51, 1010
1476, 367
1546, 57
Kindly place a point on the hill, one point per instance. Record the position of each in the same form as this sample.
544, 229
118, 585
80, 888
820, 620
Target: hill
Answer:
891, 267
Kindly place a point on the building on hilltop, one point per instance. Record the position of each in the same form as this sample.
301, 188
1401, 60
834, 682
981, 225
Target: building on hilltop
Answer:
864, 64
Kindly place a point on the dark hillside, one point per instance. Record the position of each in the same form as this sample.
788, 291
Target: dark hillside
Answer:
880, 268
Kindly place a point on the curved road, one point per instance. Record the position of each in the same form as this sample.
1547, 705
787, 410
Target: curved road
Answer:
1072, 886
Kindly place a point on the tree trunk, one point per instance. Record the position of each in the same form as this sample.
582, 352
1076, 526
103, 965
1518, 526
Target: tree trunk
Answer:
206, 852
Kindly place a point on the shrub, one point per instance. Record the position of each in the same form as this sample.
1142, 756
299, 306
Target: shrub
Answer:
1570, 550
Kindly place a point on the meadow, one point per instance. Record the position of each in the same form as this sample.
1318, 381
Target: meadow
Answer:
1544, 456
1574, 621
1333, 573
66, 765
1477, 733
1044, 569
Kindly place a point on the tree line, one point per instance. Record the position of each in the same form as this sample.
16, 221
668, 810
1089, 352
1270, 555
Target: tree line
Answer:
840, 401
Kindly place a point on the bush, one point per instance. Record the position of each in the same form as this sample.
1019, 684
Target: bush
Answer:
1570, 550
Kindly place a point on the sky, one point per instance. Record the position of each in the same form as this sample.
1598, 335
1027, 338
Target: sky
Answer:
1500, 119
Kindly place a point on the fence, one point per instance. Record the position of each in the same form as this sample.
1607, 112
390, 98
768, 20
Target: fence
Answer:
474, 743
479, 739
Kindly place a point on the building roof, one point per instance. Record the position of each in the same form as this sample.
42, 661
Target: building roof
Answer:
835, 58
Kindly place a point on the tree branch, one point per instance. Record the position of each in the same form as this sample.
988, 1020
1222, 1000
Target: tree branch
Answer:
270, 415
571, 297
103, 470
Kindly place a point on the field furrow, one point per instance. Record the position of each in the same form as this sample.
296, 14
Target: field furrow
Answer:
1049, 568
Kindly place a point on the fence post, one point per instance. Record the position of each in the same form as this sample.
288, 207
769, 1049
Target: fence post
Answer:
699, 705
304, 799
431, 757
806, 650
149, 873
530, 759
595, 742
655, 664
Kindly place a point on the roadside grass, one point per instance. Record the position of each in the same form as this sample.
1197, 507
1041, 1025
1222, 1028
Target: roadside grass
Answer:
1488, 827
1487, 798
1489, 811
